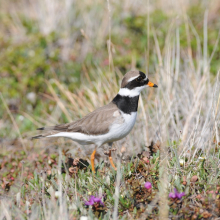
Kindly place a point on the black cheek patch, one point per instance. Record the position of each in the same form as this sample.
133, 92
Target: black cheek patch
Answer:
135, 83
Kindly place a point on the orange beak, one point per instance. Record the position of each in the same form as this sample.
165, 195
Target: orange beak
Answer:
150, 84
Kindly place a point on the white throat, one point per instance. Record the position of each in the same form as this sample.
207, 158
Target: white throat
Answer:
131, 93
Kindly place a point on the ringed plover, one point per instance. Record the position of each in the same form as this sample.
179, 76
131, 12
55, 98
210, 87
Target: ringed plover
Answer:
109, 123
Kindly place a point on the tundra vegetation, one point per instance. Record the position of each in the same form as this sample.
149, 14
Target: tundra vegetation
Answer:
62, 59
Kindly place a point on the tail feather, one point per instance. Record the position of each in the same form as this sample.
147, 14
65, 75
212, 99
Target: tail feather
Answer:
47, 128
41, 128
45, 134
51, 130
37, 137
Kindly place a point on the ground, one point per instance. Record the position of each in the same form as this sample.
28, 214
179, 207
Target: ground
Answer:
31, 185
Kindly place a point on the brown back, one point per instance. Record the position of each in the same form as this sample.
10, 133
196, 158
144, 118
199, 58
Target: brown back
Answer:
96, 122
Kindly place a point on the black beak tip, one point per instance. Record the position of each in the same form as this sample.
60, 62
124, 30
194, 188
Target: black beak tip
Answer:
155, 86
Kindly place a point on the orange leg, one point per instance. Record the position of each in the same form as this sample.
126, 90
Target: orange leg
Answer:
110, 159
92, 160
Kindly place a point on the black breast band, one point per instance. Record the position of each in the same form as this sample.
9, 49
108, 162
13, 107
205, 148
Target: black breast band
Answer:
126, 104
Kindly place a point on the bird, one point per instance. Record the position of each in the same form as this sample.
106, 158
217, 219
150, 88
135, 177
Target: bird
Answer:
108, 123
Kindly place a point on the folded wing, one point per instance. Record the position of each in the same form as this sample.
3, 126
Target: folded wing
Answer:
95, 123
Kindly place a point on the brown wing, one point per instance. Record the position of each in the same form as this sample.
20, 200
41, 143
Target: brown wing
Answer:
96, 122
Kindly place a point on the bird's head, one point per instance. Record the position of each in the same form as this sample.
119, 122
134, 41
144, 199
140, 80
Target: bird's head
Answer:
134, 82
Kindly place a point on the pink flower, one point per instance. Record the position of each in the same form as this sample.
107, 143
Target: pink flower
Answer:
176, 194
92, 200
148, 185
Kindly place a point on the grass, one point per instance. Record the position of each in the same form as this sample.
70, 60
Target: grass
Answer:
58, 188
40, 179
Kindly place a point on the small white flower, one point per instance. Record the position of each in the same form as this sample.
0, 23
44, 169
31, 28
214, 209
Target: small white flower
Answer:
21, 117
57, 194
83, 218
31, 96
181, 162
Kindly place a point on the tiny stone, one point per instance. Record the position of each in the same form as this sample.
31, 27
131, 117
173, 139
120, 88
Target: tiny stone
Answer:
194, 179
123, 149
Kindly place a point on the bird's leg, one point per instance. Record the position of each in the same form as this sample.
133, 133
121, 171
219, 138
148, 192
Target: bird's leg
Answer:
92, 160
110, 159
110, 156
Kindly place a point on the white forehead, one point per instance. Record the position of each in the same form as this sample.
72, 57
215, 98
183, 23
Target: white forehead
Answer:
135, 77
132, 78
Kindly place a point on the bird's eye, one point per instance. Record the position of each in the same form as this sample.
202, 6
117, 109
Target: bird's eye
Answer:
139, 79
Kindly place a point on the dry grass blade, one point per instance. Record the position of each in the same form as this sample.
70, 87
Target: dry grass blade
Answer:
4, 210
14, 122
117, 188
59, 102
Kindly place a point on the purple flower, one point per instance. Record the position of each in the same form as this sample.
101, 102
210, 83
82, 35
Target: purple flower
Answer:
176, 194
92, 200
172, 195
147, 185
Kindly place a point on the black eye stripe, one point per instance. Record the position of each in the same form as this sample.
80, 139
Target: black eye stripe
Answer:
141, 80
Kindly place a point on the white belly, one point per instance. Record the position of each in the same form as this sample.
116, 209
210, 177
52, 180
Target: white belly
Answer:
116, 132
